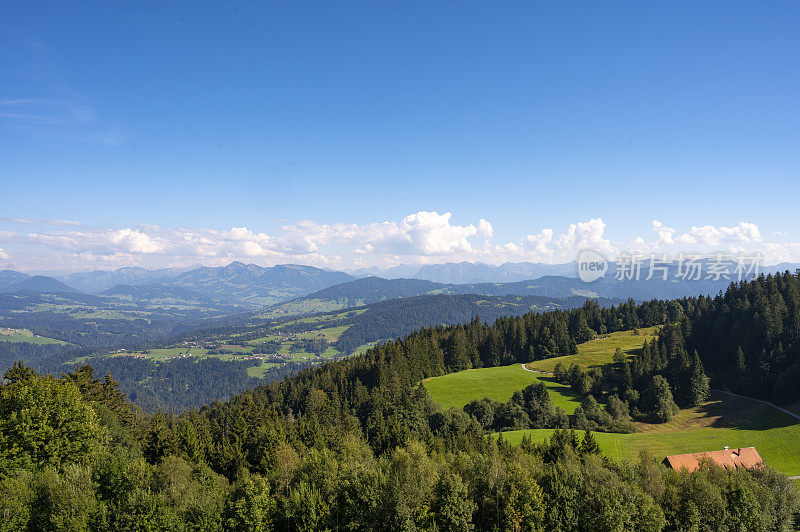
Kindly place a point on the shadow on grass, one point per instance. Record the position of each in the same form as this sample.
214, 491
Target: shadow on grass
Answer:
557, 387
725, 411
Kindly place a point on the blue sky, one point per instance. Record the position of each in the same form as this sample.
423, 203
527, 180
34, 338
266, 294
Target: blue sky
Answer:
199, 119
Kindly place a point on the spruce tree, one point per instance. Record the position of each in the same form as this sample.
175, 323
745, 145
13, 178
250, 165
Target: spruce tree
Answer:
697, 388
589, 444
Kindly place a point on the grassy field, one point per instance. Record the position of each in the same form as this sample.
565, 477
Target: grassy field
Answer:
360, 350
331, 333
259, 371
458, 389
26, 336
307, 306
161, 354
723, 421
599, 351
237, 348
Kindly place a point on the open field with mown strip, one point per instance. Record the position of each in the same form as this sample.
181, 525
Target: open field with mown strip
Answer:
499, 384
458, 389
599, 351
723, 421
26, 336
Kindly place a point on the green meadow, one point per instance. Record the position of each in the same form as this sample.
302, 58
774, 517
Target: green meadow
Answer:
599, 351
161, 354
360, 350
259, 371
26, 336
499, 384
725, 420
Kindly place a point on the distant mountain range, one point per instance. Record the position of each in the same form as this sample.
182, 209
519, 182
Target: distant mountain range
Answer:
237, 284
296, 289
100, 280
369, 290
247, 285
11, 281
472, 272
240, 293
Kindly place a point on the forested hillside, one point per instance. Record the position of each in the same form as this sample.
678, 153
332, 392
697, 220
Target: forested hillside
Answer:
398, 317
357, 444
168, 382
749, 337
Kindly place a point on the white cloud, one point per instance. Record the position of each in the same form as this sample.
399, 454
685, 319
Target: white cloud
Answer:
708, 235
485, 229
539, 244
432, 234
4, 255
586, 235
666, 235
423, 237
775, 253
136, 241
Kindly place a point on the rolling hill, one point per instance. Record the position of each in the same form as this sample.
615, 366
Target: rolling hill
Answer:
95, 282
247, 285
10, 278
472, 272
374, 289
37, 283
398, 317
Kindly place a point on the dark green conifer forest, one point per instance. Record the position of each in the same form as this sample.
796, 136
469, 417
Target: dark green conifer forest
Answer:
357, 444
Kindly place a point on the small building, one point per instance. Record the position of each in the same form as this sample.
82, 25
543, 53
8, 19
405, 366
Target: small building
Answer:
746, 457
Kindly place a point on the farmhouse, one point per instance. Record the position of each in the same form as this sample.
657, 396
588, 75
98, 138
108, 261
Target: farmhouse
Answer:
746, 457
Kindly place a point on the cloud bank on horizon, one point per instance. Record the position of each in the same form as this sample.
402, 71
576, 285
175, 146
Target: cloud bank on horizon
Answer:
420, 238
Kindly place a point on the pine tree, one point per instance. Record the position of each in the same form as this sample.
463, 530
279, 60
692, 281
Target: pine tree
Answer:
160, 440
589, 444
657, 401
741, 364
698, 388
18, 372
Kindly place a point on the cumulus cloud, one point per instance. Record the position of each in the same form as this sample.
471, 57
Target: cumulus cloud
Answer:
4, 255
708, 235
485, 229
666, 235
539, 244
423, 237
432, 234
775, 253
585, 235
136, 241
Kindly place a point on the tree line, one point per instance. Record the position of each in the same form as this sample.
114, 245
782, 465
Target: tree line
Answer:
357, 444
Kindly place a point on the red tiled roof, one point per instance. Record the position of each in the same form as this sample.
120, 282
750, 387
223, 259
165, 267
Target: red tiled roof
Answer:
729, 459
